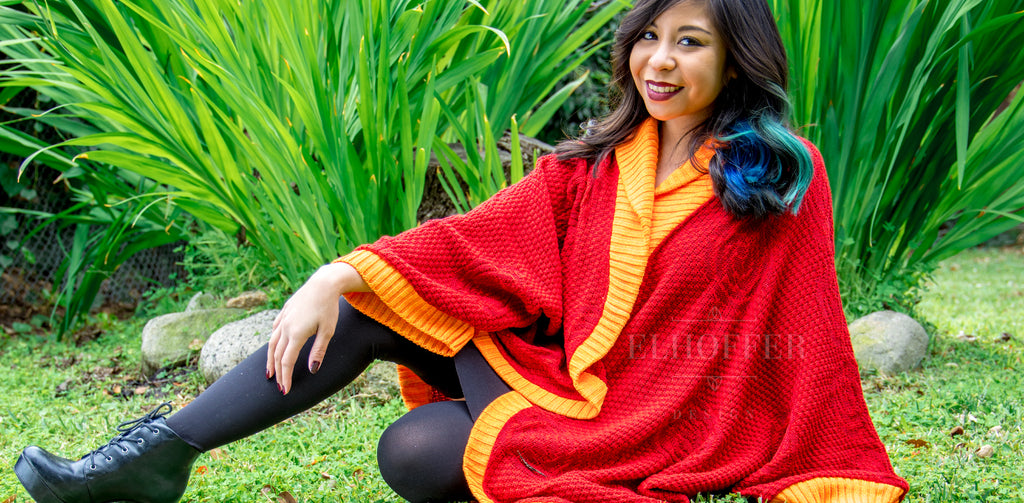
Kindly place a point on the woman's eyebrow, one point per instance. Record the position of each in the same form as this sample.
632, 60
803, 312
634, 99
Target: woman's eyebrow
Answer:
690, 27
685, 27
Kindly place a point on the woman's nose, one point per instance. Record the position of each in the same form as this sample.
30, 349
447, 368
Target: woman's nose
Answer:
662, 59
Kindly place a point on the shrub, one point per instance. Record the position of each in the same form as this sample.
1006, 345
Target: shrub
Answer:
901, 97
304, 128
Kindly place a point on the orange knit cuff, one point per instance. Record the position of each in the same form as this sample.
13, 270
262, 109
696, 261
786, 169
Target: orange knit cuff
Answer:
394, 303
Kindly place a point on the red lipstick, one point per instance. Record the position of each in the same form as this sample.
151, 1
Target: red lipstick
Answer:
661, 91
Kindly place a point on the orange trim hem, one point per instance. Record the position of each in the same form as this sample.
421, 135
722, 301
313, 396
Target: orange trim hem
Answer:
839, 490
628, 254
483, 437
576, 409
415, 391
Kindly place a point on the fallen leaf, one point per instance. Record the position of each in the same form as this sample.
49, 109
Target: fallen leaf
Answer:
11, 499
985, 451
141, 390
959, 446
916, 442
967, 418
195, 345
996, 431
67, 362
358, 474
117, 389
1004, 337
63, 387
953, 365
326, 476
966, 337
217, 453
317, 460
202, 470
267, 490
957, 430
286, 497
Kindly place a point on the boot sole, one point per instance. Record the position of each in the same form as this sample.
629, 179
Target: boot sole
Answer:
33, 483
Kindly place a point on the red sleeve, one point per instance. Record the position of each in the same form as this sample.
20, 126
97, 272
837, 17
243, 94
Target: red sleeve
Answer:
499, 265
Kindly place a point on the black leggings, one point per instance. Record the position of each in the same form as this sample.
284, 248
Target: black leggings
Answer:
420, 455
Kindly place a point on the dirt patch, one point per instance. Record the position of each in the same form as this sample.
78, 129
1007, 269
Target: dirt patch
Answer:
118, 380
163, 385
33, 314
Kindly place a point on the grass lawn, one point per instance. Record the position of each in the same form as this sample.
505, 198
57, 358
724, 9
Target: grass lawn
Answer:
69, 399
972, 379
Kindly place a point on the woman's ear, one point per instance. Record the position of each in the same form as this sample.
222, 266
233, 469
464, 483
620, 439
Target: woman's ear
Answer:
730, 73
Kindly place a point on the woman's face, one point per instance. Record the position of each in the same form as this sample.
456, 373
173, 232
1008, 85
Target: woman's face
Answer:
678, 65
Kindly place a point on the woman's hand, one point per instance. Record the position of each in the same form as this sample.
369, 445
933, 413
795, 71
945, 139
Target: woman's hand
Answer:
312, 310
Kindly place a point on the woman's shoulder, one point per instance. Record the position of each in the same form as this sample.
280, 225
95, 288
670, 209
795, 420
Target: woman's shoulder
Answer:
812, 149
560, 164
817, 200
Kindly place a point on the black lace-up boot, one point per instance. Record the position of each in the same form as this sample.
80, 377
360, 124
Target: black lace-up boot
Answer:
146, 463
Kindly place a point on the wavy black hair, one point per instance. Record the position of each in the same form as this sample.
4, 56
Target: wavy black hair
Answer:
760, 166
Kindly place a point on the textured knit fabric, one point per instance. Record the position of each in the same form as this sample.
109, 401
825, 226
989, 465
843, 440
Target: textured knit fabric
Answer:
716, 358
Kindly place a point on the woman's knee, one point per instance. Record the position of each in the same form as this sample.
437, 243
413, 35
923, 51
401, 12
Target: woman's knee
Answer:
420, 455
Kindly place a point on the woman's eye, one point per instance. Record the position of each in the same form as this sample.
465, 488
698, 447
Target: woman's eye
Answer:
648, 35
689, 41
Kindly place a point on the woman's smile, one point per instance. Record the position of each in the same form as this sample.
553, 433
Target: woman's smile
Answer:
661, 91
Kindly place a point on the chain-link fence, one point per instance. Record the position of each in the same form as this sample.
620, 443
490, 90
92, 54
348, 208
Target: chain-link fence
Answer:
28, 267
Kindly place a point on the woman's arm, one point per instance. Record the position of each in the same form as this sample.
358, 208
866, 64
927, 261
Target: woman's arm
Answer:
312, 310
492, 268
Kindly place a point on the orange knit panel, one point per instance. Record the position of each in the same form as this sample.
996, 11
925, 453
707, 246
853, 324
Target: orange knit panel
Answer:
685, 190
677, 197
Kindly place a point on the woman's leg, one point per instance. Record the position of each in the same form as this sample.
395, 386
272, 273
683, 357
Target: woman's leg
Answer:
243, 401
150, 460
420, 455
480, 383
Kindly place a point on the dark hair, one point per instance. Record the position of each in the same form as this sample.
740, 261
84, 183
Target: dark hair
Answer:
760, 167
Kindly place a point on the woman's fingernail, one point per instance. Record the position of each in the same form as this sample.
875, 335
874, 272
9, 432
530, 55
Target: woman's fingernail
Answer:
269, 375
314, 367
280, 388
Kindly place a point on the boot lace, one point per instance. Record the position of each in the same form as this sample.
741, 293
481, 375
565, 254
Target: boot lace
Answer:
127, 428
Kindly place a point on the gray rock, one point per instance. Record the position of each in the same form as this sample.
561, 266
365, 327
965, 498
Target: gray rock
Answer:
248, 300
166, 339
233, 342
201, 301
888, 342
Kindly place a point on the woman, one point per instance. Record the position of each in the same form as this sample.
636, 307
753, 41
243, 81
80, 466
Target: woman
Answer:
651, 314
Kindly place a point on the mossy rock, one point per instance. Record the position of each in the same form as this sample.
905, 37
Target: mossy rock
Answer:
166, 339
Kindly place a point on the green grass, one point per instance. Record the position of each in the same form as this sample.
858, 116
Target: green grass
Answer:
979, 293
328, 453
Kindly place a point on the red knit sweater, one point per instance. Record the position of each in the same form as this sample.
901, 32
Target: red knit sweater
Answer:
717, 359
